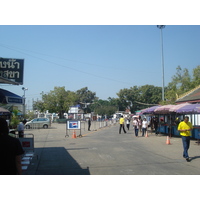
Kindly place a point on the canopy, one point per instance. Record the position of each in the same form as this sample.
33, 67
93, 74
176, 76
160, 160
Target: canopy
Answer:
176, 107
163, 109
7, 97
149, 110
4, 111
189, 109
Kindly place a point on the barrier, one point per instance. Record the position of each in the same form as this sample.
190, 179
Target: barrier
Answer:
27, 143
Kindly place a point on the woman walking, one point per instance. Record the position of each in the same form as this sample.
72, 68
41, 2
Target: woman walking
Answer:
144, 126
128, 123
136, 126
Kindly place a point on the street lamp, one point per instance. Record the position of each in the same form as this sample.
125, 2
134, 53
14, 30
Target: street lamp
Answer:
24, 100
163, 81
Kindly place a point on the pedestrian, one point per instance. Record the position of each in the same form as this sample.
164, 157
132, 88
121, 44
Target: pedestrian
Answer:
155, 124
20, 129
185, 128
128, 123
89, 124
136, 126
10, 152
140, 123
144, 126
121, 123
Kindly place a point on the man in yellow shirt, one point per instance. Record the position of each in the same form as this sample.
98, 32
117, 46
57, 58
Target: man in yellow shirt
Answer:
121, 122
185, 128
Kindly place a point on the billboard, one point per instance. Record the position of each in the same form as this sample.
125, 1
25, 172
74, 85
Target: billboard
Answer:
12, 69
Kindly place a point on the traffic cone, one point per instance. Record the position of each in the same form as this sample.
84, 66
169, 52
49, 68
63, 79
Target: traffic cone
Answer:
168, 140
146, 135
74, 134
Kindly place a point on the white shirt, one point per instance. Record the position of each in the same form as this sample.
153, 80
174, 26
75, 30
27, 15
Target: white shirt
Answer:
144, 124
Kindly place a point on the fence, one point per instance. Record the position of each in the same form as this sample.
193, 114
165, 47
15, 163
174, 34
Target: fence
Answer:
95, 125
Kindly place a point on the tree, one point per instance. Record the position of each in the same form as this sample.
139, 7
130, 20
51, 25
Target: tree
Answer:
181, 83
137, 98
57, 101
85, 97
103, 107
196, 76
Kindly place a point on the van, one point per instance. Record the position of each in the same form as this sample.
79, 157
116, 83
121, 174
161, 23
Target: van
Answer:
38, 123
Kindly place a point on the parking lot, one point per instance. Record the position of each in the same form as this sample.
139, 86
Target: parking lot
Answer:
106, 152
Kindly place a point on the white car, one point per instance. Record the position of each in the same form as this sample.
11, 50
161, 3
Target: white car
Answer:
38, 123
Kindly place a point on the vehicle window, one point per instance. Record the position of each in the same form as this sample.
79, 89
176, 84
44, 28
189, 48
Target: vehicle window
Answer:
42, 119
34, 120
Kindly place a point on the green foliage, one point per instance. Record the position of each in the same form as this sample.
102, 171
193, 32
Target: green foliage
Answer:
181, 83
14, 119
135, 98
57, 101
104, 107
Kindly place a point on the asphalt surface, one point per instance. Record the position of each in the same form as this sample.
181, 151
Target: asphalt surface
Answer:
106, 152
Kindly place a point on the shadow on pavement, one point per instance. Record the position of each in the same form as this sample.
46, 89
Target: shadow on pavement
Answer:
195, 157
54, 161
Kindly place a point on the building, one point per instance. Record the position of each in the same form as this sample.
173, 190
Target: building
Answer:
193, 96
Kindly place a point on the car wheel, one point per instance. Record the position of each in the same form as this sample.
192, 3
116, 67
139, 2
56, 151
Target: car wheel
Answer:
45, 126
28, 127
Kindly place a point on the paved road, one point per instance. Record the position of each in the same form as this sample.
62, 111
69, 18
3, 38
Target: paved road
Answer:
105, 152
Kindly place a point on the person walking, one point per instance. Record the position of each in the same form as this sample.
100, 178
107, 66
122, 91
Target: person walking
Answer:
144, 126
10, 152
155, 124
136, 126
20, 129
128, 123
121, 123
140, 124
185, 128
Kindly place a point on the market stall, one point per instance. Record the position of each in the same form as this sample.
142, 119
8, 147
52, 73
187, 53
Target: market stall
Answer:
193, 111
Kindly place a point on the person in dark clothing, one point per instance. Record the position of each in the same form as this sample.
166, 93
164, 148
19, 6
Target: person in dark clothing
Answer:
89, 124
155, 124
10, 152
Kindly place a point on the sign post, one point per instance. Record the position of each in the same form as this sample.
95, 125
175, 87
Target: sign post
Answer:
73, 125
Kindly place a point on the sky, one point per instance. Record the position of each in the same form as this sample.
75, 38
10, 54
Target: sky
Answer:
103, 58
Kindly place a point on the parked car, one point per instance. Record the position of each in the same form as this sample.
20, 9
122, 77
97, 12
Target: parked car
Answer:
38, 123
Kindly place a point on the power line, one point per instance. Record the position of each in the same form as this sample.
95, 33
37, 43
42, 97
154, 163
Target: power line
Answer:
64, 66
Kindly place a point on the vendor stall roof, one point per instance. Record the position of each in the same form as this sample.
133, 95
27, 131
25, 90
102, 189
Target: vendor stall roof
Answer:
7, 81
164, 109
149, 110
7, 97
189, 109
4, 111
176, 107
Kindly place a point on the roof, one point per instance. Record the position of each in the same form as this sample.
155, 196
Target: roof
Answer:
193, 96
7, 81
7, 97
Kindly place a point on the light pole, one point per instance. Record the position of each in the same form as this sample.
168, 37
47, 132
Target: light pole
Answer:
163, 72
24, 110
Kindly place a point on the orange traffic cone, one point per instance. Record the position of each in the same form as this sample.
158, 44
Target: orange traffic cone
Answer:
168, 140
74, 134
146, 135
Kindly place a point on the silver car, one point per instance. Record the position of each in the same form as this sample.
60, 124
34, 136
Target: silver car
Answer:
38, 123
